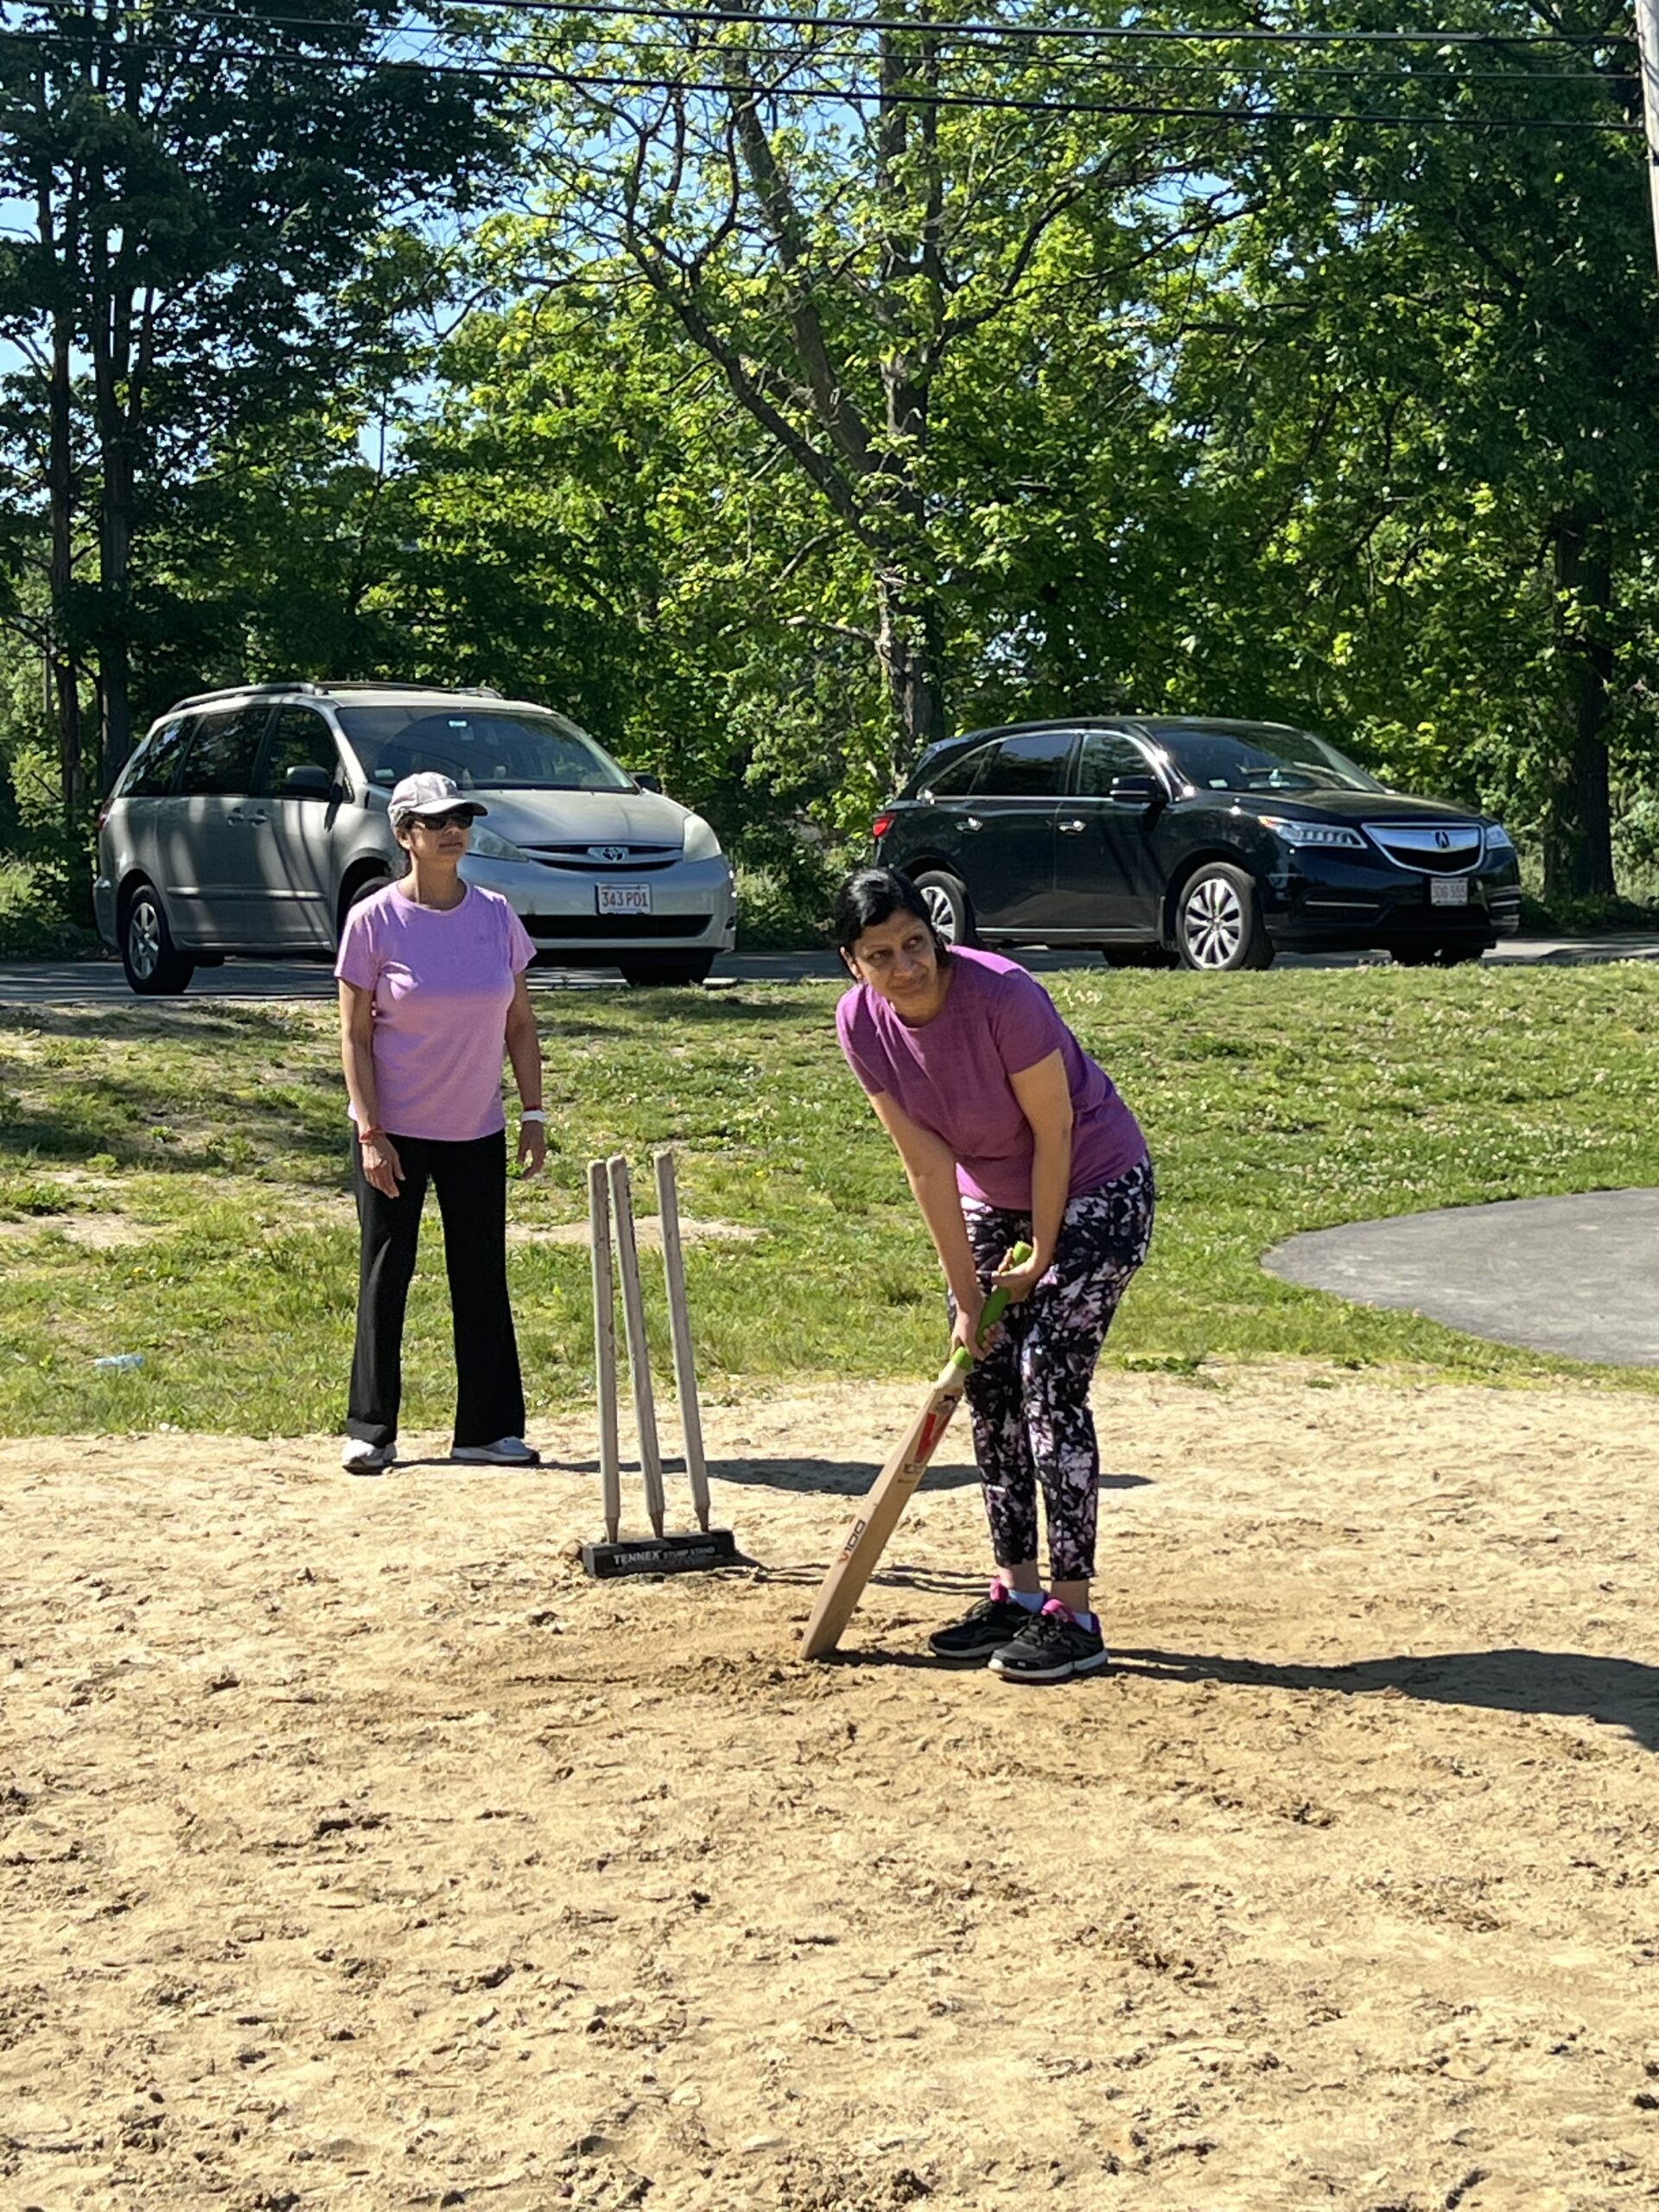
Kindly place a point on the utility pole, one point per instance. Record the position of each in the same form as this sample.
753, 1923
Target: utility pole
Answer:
1647, 32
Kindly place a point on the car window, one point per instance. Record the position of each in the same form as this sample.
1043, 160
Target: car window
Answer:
1105, 754
299, 739
959, 776
151, 775
220, 764
484, 749
1027, 767
1265, 759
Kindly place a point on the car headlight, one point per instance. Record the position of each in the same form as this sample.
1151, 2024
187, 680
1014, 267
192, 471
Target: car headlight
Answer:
1312, 833
701, 842
486, 845
1498, 839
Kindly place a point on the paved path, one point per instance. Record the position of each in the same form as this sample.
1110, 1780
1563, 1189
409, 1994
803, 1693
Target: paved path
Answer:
1577, 1275
89, 982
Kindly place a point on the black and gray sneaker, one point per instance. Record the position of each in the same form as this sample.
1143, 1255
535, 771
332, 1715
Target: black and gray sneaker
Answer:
985, 1627
1051, 1647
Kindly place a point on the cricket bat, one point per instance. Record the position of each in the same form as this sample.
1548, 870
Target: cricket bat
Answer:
878, 1516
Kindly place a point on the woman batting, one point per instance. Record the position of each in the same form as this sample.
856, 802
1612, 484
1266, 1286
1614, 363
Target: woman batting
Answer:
1007, 1130
432, 992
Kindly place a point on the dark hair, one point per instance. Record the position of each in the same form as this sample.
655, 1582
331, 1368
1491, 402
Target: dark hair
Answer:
873, 896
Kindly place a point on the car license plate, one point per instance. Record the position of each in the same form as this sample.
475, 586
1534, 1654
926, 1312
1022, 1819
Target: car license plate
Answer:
1448, 891
623, 898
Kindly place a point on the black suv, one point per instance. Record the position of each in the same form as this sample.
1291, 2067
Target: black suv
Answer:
1213, 843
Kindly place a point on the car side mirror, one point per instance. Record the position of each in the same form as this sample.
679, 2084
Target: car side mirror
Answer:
1136, 791
649, 783
307, 780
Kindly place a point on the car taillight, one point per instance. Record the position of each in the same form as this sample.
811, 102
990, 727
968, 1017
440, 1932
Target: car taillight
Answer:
103, 814
881, 824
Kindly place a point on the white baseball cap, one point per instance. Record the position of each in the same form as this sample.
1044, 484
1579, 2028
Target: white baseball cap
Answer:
429, 793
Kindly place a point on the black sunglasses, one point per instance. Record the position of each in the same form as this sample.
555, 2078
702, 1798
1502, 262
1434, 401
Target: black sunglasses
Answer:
458, 817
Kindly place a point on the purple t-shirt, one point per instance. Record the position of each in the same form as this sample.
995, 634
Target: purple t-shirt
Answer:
950, 1075
442, 982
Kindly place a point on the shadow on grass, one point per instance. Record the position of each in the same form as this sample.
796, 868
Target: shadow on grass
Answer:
1617, 1692
117, 1115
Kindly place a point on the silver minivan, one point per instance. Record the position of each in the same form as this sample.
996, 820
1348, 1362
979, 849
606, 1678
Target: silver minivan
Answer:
249, 820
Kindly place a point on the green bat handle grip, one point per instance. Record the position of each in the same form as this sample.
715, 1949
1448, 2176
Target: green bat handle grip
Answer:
995, 1304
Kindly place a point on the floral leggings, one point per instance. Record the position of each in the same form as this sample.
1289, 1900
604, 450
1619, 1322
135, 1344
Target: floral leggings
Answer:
1029, 1395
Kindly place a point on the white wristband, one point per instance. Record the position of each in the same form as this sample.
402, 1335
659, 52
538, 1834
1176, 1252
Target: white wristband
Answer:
531, 1114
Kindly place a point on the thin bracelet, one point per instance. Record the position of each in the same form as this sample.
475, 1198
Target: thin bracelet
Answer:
531, 1114
363, 1135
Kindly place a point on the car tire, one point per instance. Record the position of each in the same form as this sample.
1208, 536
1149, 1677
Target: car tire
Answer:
666, 969
1218, 926
359, 888
155, 966
949, 907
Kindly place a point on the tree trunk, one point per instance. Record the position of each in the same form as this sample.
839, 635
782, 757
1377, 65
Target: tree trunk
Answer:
112, 342
1578, 826
62, 660
908, 645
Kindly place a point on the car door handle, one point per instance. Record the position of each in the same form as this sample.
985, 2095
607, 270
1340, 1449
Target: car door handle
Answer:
1072, 828
969, 821
252, 820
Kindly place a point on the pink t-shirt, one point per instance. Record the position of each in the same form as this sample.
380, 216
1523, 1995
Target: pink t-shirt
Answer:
442, 982
952, 1074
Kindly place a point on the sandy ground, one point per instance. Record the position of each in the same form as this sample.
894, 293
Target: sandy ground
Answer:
356, 1852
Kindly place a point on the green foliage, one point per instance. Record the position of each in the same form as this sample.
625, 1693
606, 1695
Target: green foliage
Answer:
36, 902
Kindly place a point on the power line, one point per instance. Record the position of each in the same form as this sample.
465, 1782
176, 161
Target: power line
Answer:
766, 19
494, 71
1599, 79
244, 18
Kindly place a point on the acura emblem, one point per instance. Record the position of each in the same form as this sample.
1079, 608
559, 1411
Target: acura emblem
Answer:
608, 852
1443, 839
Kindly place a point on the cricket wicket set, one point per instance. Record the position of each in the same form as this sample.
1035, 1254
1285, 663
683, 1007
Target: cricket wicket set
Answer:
610, 1211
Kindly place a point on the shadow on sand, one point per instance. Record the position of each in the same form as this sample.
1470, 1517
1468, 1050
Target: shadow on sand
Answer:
853, 1478
1617, 1692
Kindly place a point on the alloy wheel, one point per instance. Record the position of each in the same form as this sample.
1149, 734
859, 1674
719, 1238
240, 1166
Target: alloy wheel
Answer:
144, 936
940, 911
1212, 922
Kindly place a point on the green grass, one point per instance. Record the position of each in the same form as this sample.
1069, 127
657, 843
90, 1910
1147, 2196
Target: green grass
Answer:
212, 1139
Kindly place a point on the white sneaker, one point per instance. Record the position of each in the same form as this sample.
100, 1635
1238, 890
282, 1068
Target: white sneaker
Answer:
358, 1456
506, 1451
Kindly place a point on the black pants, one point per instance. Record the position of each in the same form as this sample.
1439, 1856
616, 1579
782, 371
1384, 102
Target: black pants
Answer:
471, 1181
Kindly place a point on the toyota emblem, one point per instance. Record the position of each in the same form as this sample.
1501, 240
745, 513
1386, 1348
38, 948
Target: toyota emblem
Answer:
1443, 839
608, 852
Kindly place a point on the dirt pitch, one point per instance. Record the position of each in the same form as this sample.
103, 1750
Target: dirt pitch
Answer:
356, 1853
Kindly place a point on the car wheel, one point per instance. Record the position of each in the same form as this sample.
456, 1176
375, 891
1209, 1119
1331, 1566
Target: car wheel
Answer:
362, 887
156, 968
667, 969
1218, 926
945, 897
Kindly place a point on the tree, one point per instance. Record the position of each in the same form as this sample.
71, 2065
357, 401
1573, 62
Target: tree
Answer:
201, 199
835, 258
1422, 392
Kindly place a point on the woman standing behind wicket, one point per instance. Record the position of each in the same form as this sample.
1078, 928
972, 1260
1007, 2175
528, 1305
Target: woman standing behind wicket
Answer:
1007, 1131
432, 992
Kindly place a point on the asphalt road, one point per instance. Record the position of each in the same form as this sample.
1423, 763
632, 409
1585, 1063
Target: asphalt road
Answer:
93, 982
1577, 1275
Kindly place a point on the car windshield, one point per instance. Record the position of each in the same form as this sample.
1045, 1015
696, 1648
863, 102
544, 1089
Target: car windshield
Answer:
1264, 761
486, 748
